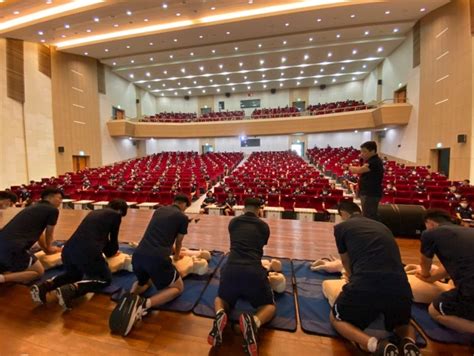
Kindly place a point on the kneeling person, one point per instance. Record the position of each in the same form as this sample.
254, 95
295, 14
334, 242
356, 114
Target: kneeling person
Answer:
17, 263
243, 276
377, 284
152, 265
454, 246
82, 256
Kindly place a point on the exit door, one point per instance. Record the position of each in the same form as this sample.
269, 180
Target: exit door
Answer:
444, 155
298, 148
79, 163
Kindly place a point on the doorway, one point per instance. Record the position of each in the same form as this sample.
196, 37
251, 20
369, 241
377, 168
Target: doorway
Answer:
79, 163
207, 149
298, 147
300, 105
400, 95
444, 155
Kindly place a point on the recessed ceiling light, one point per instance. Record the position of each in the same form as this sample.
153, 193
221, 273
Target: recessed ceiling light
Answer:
129, 13
201, 68
283, 59
152, 59
298, 83
48, 2
191, 54
319, 20
380, 49
264, 86
422, 9
366, 33
343, 68
41, 33
114, 63
42, 40
151, 43
116, 25
262, 62
287, 24
86, 53
338, 35
330, 54
16, 12
354, 51
301, 71
201, 36
164, 85
245, 77
210, 80
233, 89
236, 48
250, 2
63, 36
194, 82
132, 61
66, 26
353, 78
282, 74
149, 86
259, 45
228, 79
165, 72
333, 80
189, 92
146, 20
315, 82
171, 56
355, 131
284, 42
106, 50
281, 84
178, 14
162, 94
364, 66
148, 74
128, 47
175, 39
183, 70
240, 64
218, 90
221, 66
204, 90
213, 8
131, 76
353, 16
311, 39
395, 30
263, 75
96, 19
164, 6
88, 30
321, 70
179, 83
249, 87
306, 57
387, 12
213, 51
175, 93
227, 33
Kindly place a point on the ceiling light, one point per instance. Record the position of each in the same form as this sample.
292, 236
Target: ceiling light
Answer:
259, 45
129, 13
395, 30
227, 33
63, 36
106, 50
218, 90
221, 66
306, 57
387, 12
263, 75
114, 63
178, 14
66, 26
319, 20
282, 74
128, 47
338, 35
321, 70
250, 2
213, 8
298, 83
165, 72
201, 36
210, 80
228, 79
364, 66
179, 83
41, 33
151, 59
131, 76
311, 39
233, 89
162, 94
48, 2
287, 24
385, 129
333, 80
88, 30
164, 85
149, 86
264, 86
191, 54
189, 92
380, 49
355, 131
354, 51
330, 54
343, 68
16, 12
86, 54
96, 19
301, 71
148, 74
236, 48
281, 84
146, 20
366, 33
204, 90
175, 40
213, 51
240, 64
315, 82
164, 6
42, 40
283, 59
422, 9
151, 43
284, 42
194, 82
183, 70
116, 25
353, 16
354, 78
171, 56
249, 87
201, 68
262, 62
175, 93
245, 77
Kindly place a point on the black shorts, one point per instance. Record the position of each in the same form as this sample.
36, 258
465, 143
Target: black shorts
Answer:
454, 303
362, 308
90, 267
248, 282
160, 270
16, 261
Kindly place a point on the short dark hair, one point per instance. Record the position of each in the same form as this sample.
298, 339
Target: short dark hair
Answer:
48, 191
4, 195
252, 202
437, 215
369, 145
467, 181
349, 207
119, 205
182, 198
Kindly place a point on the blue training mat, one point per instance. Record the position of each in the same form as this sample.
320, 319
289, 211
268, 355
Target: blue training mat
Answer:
285, 317
314, 308
435, 331
194, 286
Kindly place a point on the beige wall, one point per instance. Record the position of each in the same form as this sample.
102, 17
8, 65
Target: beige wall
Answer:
446, 104
75, 109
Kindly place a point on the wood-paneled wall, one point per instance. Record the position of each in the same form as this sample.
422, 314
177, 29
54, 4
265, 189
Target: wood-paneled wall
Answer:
75, 109
446, 86
15, 70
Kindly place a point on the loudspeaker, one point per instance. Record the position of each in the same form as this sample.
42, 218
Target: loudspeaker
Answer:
322, 86
227, 95
61, 149
379, 82
186, 97
403, 220
462, 138
273, 90
137, 101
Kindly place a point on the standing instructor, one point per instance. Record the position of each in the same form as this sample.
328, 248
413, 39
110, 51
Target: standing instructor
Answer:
370, 181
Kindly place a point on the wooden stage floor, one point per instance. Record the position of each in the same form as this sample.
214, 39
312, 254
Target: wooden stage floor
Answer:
26, 329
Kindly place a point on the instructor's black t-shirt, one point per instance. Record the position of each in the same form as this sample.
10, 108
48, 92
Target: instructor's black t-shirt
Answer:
97, 234
248, 235
375, 260
454, 246
370, 183
25, 229
167, 222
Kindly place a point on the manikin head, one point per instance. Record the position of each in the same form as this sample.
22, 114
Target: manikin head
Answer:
435, 217
348, 209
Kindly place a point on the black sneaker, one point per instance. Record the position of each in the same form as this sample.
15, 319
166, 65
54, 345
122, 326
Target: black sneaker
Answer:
128, 310
249, 332
215, 336
66, 295
407, 347
38, 292
386, 348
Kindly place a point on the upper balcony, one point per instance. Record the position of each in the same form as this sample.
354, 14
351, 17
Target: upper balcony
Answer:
381, 116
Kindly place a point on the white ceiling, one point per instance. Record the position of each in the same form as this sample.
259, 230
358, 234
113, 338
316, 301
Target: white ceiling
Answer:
298, 48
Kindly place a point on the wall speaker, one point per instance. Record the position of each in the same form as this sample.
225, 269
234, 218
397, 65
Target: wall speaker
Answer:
227, 95
61, 149
462, 138
186, 97
322, 86
137, 101
379, 82
273, 90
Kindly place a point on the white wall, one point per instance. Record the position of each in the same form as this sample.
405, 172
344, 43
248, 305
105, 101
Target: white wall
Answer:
167, 145
267, 100
118, 92
267, 143
168, 104
148, 103
369, 90
339, 92
338, 139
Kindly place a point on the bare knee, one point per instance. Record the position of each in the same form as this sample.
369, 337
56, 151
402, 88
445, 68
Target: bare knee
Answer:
433, 312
